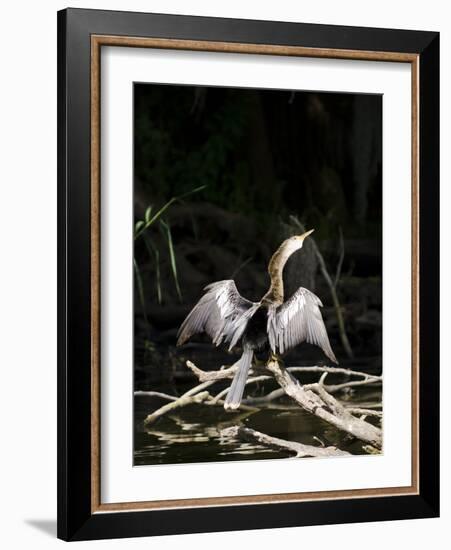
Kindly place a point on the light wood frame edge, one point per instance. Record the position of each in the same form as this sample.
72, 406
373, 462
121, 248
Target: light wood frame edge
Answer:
97, 41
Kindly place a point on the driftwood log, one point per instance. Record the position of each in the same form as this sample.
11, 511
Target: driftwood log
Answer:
316, 400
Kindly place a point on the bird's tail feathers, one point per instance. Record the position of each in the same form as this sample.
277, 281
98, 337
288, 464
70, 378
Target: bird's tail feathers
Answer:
233, 399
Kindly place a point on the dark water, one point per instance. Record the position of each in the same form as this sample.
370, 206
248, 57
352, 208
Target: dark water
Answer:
192, 434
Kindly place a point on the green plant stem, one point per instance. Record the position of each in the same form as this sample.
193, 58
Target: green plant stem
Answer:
163, 209
141, 292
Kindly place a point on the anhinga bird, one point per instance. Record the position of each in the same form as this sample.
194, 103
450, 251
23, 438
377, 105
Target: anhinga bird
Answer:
229, 318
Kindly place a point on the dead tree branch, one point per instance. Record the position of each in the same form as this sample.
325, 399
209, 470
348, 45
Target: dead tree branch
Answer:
213, 375
180, 402
264, 399
333, 370
156, 394
251, 380
229, 372
367, 379
194, 395
300, 450
340, 259
313, 398
364, 411
316, 400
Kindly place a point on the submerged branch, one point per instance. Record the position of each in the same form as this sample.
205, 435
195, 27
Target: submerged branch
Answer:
300, 450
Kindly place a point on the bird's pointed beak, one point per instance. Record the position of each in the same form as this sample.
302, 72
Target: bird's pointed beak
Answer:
306, 234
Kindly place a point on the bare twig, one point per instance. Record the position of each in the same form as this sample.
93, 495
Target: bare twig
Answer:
220, 403
221, 374
272, 396
180, 402
252, 380
300, 450
333, 370
341, 258
229, 372
364, 411
155, 394
194, 395
332, 288
213, 375
334, 388
241, 266
367, 379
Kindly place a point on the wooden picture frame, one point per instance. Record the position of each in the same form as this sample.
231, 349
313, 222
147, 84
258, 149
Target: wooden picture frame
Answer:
81, 35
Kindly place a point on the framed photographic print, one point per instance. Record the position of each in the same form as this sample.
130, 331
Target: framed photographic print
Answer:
248, 274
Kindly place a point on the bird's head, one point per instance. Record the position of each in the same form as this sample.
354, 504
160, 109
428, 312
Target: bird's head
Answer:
285, 250
295, 243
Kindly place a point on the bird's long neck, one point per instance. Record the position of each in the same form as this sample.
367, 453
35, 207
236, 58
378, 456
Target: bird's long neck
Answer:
275, 270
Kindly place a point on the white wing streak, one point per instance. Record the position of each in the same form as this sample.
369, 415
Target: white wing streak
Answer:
298, 320
221, 312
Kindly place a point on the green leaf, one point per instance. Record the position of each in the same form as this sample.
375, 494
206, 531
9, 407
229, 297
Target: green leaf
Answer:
155, 255
148, 213
195, 190
155, 217
158, 278
172, 257
138, 226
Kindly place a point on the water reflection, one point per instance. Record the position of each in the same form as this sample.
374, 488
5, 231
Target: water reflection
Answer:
193, 433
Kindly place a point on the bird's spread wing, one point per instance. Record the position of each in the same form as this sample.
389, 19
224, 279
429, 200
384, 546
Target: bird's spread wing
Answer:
221, 312
298, 320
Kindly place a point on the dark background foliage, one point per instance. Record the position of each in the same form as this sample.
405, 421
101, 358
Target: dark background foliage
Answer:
222, 176
262, 156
